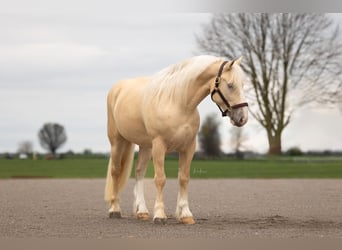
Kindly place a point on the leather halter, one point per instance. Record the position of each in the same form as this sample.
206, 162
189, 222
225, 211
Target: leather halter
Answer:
218, 91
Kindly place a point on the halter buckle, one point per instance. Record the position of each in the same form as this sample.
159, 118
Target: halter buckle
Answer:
217, 81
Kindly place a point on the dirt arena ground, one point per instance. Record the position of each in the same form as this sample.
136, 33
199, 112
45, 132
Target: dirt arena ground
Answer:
225, 208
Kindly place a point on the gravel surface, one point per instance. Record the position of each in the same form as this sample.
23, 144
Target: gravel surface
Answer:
224, 208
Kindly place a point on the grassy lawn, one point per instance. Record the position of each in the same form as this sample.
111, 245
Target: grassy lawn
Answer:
263, 168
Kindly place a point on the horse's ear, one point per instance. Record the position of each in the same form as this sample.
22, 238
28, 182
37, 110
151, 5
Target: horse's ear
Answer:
238, 61
230, 65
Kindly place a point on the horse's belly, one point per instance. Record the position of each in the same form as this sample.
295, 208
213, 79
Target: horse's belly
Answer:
134, 133
130, 125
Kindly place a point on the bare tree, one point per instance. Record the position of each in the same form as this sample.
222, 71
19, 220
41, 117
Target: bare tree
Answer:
209, 137
291, 60
25, 147
52, 136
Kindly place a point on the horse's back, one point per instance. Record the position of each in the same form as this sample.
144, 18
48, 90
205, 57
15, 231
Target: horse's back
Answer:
133, 86
124, 110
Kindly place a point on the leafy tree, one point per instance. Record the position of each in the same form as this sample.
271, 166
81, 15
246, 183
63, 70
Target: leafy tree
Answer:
209, 137
52, 136
237, 140
87, 151
294, 151
290, 60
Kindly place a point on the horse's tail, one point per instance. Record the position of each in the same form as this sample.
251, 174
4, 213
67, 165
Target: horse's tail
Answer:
126, 168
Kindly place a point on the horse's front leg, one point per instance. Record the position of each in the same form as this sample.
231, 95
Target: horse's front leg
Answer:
183, 212
158, 155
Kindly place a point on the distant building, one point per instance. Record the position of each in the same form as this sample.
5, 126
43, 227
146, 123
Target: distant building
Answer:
23, 156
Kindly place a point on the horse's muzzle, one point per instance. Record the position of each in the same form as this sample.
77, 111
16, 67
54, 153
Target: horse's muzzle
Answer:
239, 117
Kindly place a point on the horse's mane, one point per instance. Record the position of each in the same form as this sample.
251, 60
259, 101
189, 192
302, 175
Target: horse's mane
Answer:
172, 82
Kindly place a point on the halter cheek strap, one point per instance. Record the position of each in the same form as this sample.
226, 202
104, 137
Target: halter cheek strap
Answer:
229, 108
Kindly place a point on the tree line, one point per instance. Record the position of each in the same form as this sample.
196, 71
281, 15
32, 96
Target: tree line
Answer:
53, 135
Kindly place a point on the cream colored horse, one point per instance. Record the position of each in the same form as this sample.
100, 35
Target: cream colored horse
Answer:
159, 114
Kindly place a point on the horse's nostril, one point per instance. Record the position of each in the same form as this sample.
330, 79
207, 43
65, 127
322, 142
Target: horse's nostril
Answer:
241, 121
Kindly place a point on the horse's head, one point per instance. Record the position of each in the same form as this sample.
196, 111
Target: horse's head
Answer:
227, 92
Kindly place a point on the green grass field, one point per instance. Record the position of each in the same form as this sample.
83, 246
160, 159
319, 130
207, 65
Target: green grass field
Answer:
263, 168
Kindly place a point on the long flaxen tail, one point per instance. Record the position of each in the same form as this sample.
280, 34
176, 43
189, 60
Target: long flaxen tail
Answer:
126, 168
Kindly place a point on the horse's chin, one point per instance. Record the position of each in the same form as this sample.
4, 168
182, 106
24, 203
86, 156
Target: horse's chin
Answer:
236, 124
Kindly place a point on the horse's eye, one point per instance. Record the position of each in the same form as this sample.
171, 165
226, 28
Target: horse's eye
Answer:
230, 86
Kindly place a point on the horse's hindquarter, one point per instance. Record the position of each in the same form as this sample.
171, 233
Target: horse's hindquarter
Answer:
126, 110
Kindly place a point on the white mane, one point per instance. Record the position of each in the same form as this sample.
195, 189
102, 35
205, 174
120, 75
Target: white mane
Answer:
172, 82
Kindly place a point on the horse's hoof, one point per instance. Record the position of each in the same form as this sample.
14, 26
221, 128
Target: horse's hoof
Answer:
116, 215
187, 220
143, 216
160, 221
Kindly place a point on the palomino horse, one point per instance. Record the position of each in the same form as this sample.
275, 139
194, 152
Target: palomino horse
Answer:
159, 114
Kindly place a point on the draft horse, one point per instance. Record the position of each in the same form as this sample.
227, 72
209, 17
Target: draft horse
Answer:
159, 114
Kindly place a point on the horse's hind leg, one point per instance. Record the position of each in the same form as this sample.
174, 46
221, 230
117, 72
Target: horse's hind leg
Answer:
121, 161
139, 207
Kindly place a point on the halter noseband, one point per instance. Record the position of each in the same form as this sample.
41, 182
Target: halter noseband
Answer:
217, 90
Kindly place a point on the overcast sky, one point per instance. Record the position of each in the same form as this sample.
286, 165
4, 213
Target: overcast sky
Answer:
57, 64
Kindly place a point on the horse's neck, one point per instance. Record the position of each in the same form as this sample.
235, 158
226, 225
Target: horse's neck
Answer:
196, 94
200, 88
